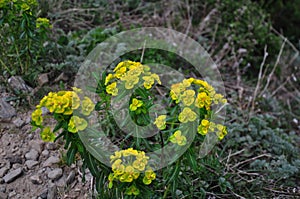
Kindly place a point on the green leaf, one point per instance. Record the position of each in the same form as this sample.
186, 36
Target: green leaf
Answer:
91, 164
191, 159
71, 155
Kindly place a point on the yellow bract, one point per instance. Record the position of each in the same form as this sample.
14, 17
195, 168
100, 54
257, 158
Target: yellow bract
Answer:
188, 97
135, 104
47, 135
36, 117
187, 115
87, 106
112, 89
177, 138
77, 124
160, 122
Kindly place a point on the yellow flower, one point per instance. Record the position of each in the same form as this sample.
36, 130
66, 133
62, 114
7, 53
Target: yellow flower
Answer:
61, 103
135, 104
76, 90
77, 124
37, 117
187, 115
132, 190
177, 138
75, 100
112, 89
160, 122
119, 66
176, 90
47, 135
149, 176
148, 81
87, 106
222, 131
108, 78
117, 155
139, 165
130, 151
42, 22
203, 100
203, 127
188, 97
130, 81
120, 72
25, 6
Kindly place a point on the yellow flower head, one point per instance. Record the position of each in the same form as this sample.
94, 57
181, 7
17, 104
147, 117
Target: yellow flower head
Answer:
47, 135
204, 127
108, 78
188, 97
87, 106
75, 100
37, 117
177, 138
203, 100
77, 124
160, 122
135, 104
132, 190
62, 103
120, 72
112, 89
130, 81
187, 115
149, 176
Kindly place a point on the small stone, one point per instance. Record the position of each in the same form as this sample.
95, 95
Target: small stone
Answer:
50, 161
32, 155
15, 159
3, 188
51, 146
43, 79
18, 122
45, 153
12, 175
55, 174
3, 171
3, 195
12, 194
18, 84
44, 194
35, 179
38, 145
52, 191
16, 166
70, 177
61, 182
31, 163
6, 110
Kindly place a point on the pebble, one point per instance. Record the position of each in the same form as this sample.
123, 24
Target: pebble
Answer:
35, 179
70, 177
51, 146
12, 175
18, 122
32, 155
12, 194
45, 153
37, 145
31, 163
44, 194
55, 174
3, 171
51, 160
15, 159
52, 191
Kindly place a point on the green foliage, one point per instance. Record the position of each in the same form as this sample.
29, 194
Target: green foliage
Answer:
23, 35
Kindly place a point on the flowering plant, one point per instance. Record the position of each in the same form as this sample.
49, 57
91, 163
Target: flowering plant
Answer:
132, 168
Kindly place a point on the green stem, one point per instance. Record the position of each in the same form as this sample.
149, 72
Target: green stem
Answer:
6, 68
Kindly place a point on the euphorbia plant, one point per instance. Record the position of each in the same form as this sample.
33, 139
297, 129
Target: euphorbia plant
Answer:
148, 142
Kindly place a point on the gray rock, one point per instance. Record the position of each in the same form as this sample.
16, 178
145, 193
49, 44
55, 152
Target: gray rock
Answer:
52, 191
50, 161
6, 111
44, 194
12, 194
3, 171
3, 188
31, 163
45, 152
14, 159
35, 179
38, 145
17, 83
55, 174
61, 182
51, 146
18, 122
70, 177
12, 175
32, 155
43, 79
3, 195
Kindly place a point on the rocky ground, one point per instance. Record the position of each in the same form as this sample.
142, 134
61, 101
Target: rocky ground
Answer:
30, 168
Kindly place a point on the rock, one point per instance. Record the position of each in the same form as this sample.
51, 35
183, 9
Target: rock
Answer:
61, 182
50, 161
55, 174
12, 194
3, 188
38, 145
31, 163
6, 111
35, 179
3, 195
70, 177
18, 122
51, 146
43, 79
52, 191
62, 77
3, 171
12, 175
32, 155
17, 83
15, 159
44, 194
45, 153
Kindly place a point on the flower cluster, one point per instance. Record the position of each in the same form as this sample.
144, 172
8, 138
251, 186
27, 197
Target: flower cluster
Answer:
207, 126
135, 104
43, 22
177, 138
127, 166
63, 103
130, 73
